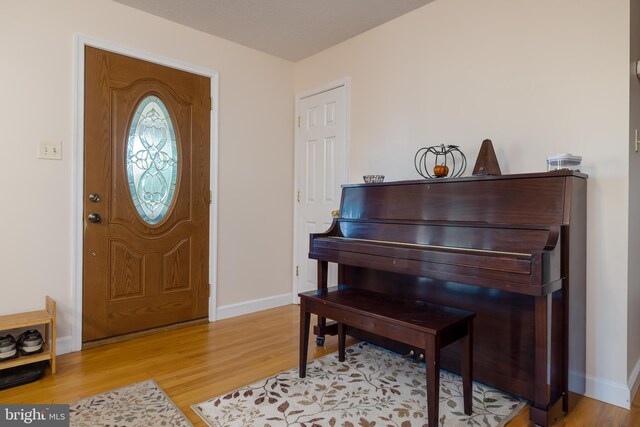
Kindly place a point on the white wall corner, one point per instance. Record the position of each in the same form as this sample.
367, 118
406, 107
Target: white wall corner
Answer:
213, 310
246, 307
64, 345
633, 382
609, 391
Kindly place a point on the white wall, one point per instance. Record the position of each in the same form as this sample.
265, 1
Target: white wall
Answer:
633, 303
256, 148
538, 78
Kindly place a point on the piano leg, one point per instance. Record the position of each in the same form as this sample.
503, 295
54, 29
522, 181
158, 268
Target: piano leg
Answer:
550, 393
558, 381
322, 285
538, 410
547, 405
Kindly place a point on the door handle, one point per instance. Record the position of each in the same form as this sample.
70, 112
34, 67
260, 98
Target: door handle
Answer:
95, 198
94, 217
335, 214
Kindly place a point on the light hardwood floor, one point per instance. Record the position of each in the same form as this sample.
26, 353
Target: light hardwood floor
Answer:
199, 362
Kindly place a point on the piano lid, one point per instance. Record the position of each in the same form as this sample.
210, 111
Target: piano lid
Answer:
508, 199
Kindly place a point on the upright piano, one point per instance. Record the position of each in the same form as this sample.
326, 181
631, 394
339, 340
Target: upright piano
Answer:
510, 248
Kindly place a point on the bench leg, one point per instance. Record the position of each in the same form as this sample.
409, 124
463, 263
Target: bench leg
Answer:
305, 322
432, 361
342, 335
466, 356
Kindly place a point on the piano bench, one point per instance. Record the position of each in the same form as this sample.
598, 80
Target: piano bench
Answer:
417, 323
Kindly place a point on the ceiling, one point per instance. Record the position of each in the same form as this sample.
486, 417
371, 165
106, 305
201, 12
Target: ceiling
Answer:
289, 29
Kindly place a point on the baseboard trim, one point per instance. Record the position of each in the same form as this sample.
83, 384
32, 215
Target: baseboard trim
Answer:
634, 381
64, 345
246, 307
608, 391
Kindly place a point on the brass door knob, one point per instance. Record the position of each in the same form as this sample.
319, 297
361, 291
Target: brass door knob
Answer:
335, 214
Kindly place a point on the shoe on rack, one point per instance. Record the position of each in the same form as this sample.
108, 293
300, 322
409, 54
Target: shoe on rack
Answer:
30, 342
8, 348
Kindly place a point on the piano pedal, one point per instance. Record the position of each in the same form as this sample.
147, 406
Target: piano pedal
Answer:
417, 358
411, 355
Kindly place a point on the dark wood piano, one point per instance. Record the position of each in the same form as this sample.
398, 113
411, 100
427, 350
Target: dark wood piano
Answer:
510, 248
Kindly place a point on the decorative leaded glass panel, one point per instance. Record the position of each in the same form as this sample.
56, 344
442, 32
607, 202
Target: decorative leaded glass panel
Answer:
152, 160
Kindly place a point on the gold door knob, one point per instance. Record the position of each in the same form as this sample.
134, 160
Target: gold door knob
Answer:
335, 213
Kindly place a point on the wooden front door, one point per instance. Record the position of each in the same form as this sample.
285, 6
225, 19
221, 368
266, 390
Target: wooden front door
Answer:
146, 195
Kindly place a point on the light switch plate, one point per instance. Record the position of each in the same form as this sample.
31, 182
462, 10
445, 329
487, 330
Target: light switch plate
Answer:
50, 150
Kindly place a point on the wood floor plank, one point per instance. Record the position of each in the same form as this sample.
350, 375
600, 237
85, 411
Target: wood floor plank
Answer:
203, 361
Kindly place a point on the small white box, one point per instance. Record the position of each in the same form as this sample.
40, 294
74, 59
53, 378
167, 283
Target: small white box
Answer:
564, 161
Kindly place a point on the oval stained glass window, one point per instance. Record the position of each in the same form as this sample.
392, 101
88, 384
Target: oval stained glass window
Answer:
152, 160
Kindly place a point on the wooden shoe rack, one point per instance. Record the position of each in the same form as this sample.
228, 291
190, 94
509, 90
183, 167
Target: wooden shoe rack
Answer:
46, 317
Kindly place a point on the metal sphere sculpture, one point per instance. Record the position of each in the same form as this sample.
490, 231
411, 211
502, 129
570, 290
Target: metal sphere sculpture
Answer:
441, 160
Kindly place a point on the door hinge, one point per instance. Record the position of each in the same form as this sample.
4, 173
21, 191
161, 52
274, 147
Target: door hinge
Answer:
299, 119
210, 197
298, 197
297, 270
211, 103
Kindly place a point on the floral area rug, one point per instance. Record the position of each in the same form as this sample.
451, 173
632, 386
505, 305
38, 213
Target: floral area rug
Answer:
141, 404
373, 387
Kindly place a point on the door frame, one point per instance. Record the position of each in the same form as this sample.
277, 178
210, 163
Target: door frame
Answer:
77, 160
346, 82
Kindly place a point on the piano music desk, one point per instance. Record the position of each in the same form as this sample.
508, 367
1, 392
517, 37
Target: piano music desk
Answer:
413, 322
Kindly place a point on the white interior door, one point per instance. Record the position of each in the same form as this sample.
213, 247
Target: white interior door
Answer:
322, 166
